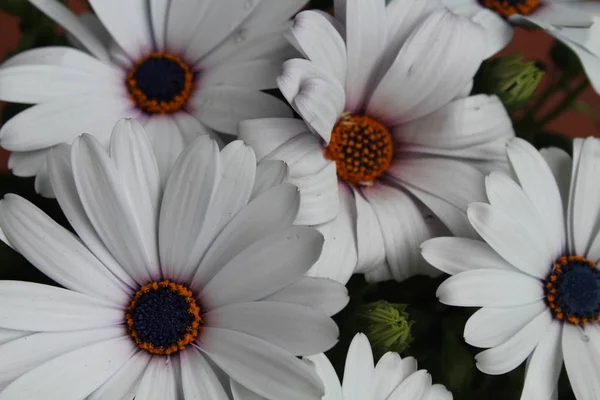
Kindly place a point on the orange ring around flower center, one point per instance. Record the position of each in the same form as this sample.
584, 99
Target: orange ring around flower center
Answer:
507, 8
192, 329
361, 147
173, 102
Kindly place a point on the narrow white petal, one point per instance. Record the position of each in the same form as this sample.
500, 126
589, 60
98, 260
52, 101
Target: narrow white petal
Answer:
455, 255
582, 361
128, 24
73, 375
296, 328
561, 165
416, 386
323, 294
267, 134
490, 288
490, 327
27, 163
521, 248
538, 182
269, 173
8, 335
260, 366
369, 239
333, 388
159, 381
359, 370
158, 18
123, 384
510, 354
180, 22
544, 367
365, 41
272, 212
388, 375
190, 128
222, 108
124, 232
338, 258
198, 378
185, 204
264, 267
239, 392
64, 17
255, 74
57, 252
167, 141
34, 307
27, 353
63, 182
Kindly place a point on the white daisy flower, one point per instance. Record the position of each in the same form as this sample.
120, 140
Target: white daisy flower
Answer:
183, 67
535, 276
576, 23
392, 378
166, 295
393, 145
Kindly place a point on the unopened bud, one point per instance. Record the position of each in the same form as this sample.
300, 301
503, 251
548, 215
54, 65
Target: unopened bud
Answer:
387, 326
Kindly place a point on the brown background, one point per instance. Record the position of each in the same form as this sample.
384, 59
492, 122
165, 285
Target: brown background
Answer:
534, 45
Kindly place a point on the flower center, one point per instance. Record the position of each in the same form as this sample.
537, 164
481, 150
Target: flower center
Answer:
361, 147
573, 290
506, 8
160, 83
163, 317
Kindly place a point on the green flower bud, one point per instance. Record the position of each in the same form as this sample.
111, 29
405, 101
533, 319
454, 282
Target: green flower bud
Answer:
387, 326
511, 79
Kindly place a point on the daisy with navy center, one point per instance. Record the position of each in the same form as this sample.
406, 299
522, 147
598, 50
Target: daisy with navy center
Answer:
535, 275
170, 292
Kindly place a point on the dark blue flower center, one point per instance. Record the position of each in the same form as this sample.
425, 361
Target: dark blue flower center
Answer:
573, 290
163, 317
160, 83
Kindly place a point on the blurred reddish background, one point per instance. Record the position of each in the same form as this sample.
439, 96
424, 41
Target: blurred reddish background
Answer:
534, 45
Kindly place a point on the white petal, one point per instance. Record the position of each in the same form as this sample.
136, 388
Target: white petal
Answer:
323, 294
255, 74
490, 288
339, 256
455, 255
158, 18
521, 248
371, 248
544, 367
73, 375
265, 135
25, 354
570, 14
167, 141
585, 209
561, 165
123, 384
416, 386
64, 17
497, 32
128, 24
582, 361
296, 328
42, 184
111, 211
272, 212
43, 125
134, 160
264, 267
159, 381
61, 56
537, 180
198, 378
185, 204
180, 22
34, 307
190, 128
506, 196
333, 388
61, 176
269, 173
221, 108
388, 375
321, 43
8, 335
439, 392
57, 252
402, 227
241, 393
490, 327
260, 366
365, 41
359, 370
510, 354
441, 36
32, 84
27, 163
